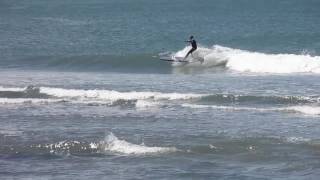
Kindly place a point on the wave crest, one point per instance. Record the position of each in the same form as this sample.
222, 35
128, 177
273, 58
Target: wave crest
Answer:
246, 61
113, 144
308, 110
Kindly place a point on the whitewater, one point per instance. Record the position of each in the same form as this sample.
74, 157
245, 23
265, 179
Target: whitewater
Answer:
247, 61
144, 100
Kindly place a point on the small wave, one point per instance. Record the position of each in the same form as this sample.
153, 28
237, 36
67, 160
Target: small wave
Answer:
142, 104
308, 110
113, 144
28, 95
28, 101
13, 89
62, 148
246, 61
297, 140
228, 108
28, 92
32, 94
234, 98
67, 147
147, 99
112, 95
208, 58
115, 95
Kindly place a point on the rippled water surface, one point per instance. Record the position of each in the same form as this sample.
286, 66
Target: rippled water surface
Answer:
84, 95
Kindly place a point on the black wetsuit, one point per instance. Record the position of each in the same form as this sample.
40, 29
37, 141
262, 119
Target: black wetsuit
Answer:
193, 44
194, 47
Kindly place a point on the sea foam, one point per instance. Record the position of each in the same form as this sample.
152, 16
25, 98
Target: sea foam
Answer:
115, 95
227, 108
27, 101
113, 144
308, 110
247, 61
14, 89
143, 99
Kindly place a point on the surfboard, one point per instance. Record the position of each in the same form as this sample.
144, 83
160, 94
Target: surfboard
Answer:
176, 59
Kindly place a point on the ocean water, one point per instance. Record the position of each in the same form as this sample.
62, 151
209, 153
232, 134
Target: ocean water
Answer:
84, 95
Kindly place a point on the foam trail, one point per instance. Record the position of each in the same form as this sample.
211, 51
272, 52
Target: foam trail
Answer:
113, 144
246, 61
115, 95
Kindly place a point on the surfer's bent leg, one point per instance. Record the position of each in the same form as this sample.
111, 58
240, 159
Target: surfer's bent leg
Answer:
191, 51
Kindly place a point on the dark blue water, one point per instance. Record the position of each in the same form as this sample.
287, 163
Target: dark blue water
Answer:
84, 95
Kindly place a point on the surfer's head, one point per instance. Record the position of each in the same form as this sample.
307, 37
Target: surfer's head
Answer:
191, 37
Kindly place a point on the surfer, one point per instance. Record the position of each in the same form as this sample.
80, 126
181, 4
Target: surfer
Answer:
193, 44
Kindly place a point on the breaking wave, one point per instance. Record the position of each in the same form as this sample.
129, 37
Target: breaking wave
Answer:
113, 144
110, 145
246, 61
28, 101
228, 108
307, 110
33, 94
115, 95
308, 105
142, 104
252, 99
215, 57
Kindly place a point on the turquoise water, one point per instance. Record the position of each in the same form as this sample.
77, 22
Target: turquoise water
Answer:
83, 94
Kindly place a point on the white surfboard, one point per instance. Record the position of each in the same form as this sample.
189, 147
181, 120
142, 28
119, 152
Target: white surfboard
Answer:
174, 59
